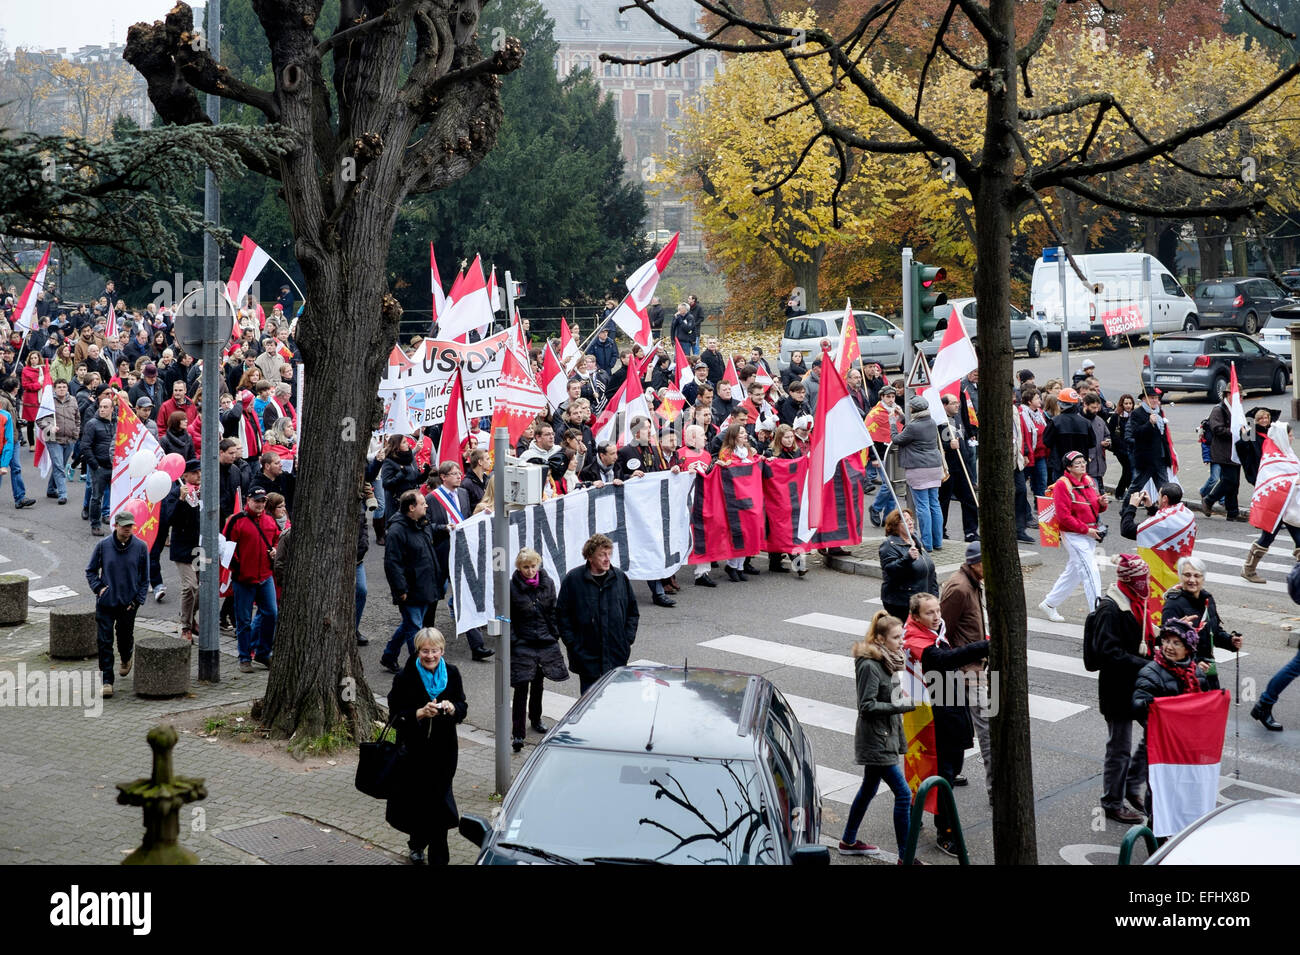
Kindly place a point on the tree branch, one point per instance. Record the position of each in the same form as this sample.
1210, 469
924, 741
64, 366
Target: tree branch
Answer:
390, 17
1060, 109
1229, 210
1266, 24
929, 57
1035, 41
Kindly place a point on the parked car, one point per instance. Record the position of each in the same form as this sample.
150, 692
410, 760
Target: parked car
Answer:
1238, 302
1246, 832
664, 766
1200, 362
1027, 334
879, 339
1113, 284
1275, 334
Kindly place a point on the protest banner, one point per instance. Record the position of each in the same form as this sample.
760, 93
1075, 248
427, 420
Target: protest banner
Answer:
1126, 318
427, 375
727, 512
648, 519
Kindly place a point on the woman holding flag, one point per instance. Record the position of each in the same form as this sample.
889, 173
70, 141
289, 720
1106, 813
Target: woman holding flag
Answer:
35, 377
1077, 505
1191, 602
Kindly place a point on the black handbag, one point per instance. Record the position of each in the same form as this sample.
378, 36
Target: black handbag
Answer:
379, 766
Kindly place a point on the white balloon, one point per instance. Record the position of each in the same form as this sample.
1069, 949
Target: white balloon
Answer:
157, 486
142, 462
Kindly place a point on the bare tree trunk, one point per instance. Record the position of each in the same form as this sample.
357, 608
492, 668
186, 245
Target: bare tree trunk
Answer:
1014, 835
1240, 254
805, 274
1210, 244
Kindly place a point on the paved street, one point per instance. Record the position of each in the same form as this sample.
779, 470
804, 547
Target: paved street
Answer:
795, 632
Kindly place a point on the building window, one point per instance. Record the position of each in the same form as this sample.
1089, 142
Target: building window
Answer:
710, 66
642, 105
674, 107
583, 18
673, 69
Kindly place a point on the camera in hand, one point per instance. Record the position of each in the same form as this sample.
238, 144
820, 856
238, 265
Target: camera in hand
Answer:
1102, 531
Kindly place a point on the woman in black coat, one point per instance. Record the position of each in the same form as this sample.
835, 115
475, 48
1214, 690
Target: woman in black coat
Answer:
399, 472
534, 641
1191, 600
905, 568
175, 438
426, 702
796, 369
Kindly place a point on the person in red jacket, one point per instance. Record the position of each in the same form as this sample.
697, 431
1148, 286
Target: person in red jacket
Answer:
35, 377
255, 535
1077, 505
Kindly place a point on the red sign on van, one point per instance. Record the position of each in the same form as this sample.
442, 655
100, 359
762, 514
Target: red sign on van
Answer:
1119, 321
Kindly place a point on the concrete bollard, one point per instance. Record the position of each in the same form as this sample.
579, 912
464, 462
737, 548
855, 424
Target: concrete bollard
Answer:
73, 634
162, 666
13, 600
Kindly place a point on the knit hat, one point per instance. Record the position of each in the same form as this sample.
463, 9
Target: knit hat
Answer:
1071, 457
1130, 567
973, 553
1183, 631
918, 404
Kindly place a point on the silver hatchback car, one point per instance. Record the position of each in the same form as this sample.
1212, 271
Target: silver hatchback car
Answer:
879, 339
1028, 334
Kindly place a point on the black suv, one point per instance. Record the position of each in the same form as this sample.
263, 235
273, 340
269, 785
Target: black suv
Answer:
664, 766
1238, 302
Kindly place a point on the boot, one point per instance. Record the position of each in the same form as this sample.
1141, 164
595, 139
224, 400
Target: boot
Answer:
775, 564
1252, 561
378, 523
1264, 713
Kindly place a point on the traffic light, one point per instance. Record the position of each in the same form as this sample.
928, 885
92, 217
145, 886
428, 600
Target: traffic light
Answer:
925, 299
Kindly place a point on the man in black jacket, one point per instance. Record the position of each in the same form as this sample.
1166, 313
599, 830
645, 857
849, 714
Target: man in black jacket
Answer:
97, 447
414, 571
714, 361
232, 477
1069, 430
656, 315
596, 613
118, 575
1222, 440
273, 477
1146, 433
1119, 645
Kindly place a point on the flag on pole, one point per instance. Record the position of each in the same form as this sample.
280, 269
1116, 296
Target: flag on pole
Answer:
470, 309
849, 350
554, 381
1184, 751
684, 370
922, 758
248, 266
25, 311
518, 399
1236, 417
110, 329
729, 374
568, 346
397, 416
954, 361
1275, 485
439, 297
615, 422
1048, 533
837, 432
641, 284
455, 425
131, 436
634, 321
42, 460
1162, 539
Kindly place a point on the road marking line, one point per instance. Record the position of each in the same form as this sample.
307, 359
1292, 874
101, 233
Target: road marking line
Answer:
51, 593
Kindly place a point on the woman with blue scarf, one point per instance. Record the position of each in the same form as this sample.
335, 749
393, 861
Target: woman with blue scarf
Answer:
426, 702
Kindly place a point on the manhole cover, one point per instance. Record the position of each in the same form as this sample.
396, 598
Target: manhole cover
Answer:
288, 841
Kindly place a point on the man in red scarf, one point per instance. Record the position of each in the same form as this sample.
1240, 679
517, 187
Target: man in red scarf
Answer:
1121, 623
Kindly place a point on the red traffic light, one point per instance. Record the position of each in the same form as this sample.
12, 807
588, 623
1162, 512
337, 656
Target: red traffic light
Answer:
940, 275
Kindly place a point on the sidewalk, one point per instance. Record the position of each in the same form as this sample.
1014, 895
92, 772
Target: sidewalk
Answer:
59, 767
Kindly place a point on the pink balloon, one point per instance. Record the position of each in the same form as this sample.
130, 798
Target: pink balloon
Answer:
138, 508
173, 464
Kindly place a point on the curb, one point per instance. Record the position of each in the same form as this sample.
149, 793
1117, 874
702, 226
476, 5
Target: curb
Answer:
869, 566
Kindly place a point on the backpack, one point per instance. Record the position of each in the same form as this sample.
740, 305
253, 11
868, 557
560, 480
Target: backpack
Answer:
1091, 654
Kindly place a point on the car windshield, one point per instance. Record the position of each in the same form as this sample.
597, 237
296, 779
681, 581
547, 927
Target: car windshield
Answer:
1177, 346
678, 810
1217, 291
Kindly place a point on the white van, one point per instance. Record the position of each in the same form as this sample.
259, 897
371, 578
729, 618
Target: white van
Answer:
1114, 282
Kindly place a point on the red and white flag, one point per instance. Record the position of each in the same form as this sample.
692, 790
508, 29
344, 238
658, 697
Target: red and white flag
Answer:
1275, 485
554, 381
25, 312
110, 328
518, 399
248, 266
684, 371
838, 431
729, 374
455, 424
1184, 751
43, 461
849, 349
439, 297
131, 436
634, 321
470, 307
568, 346
954, 361
641, 284
1236, 417
628, 403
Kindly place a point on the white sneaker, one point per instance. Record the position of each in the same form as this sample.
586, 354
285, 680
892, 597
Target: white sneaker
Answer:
1052, 615
160, 593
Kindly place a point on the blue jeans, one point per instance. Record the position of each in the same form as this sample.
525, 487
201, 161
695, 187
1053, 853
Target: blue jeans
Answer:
16, 473
255, 639
929, 517
884, 502
1038, 476
1281, 680
1216, 470
871, 777
60, 455
412, 620
361, 594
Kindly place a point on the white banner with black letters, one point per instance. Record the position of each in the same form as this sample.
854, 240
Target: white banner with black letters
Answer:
648, 519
